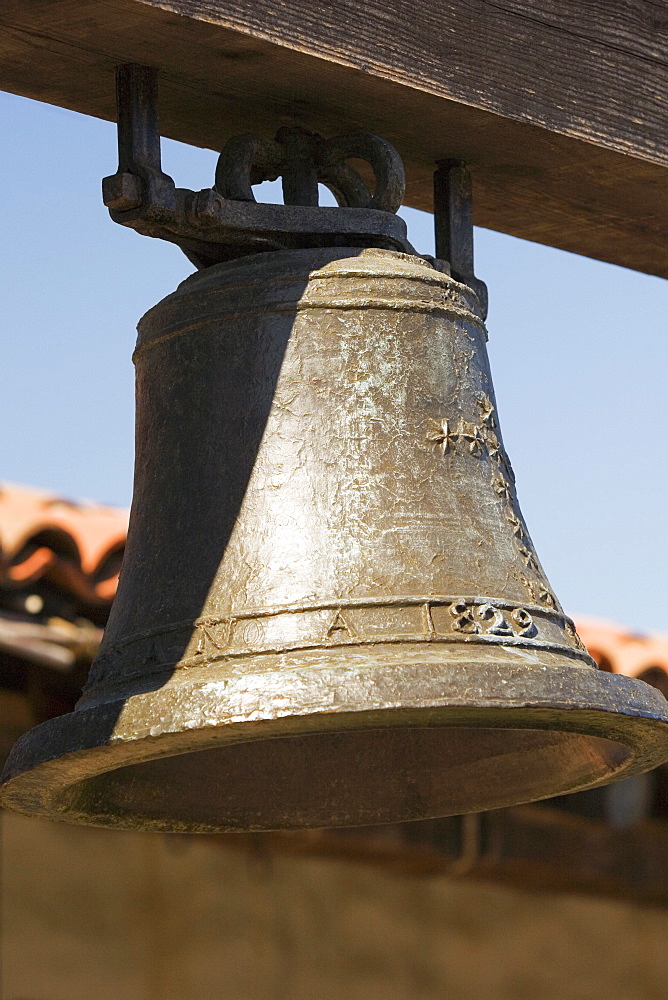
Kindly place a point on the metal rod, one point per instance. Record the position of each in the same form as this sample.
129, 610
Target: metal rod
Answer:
453, 224
138, 128
453, 216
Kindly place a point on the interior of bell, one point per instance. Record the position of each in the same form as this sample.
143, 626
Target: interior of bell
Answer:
345, 778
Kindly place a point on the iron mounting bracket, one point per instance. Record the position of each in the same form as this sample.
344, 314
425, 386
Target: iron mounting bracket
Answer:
453, 224
225, 221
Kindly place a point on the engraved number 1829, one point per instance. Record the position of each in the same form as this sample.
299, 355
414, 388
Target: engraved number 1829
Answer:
485, 619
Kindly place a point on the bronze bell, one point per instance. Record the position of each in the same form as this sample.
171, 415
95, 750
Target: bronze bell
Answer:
330, 610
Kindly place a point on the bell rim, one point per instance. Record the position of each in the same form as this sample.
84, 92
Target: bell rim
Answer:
63, 753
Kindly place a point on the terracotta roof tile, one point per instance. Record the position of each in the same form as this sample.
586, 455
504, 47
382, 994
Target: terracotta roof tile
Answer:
622, 651
72, 544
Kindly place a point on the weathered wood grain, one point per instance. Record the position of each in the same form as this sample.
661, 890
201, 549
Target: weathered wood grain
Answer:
560, 108
532, 61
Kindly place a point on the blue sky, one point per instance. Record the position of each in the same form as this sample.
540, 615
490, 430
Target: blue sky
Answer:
578, 348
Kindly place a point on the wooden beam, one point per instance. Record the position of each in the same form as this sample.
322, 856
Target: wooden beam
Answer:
559, 108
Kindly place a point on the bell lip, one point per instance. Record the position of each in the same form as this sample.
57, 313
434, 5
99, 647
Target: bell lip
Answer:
65, 752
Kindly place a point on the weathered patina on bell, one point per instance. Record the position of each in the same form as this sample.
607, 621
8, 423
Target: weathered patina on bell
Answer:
330, 610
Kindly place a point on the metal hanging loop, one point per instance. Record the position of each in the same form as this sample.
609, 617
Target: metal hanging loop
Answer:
304, 159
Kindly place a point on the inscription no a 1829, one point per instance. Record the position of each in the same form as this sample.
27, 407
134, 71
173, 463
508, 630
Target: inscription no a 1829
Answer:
427, 619
420, 620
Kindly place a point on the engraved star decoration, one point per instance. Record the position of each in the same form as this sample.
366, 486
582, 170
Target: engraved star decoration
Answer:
470, 433
486, 408
441, 435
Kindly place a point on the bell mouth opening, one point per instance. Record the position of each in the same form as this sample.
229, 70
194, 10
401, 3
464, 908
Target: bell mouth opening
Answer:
346, 778
410, 743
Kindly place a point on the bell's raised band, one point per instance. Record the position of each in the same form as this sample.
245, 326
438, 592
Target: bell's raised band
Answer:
344, 623
179, 329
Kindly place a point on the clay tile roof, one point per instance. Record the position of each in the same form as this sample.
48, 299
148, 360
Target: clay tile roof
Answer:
621, 651
75, 545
